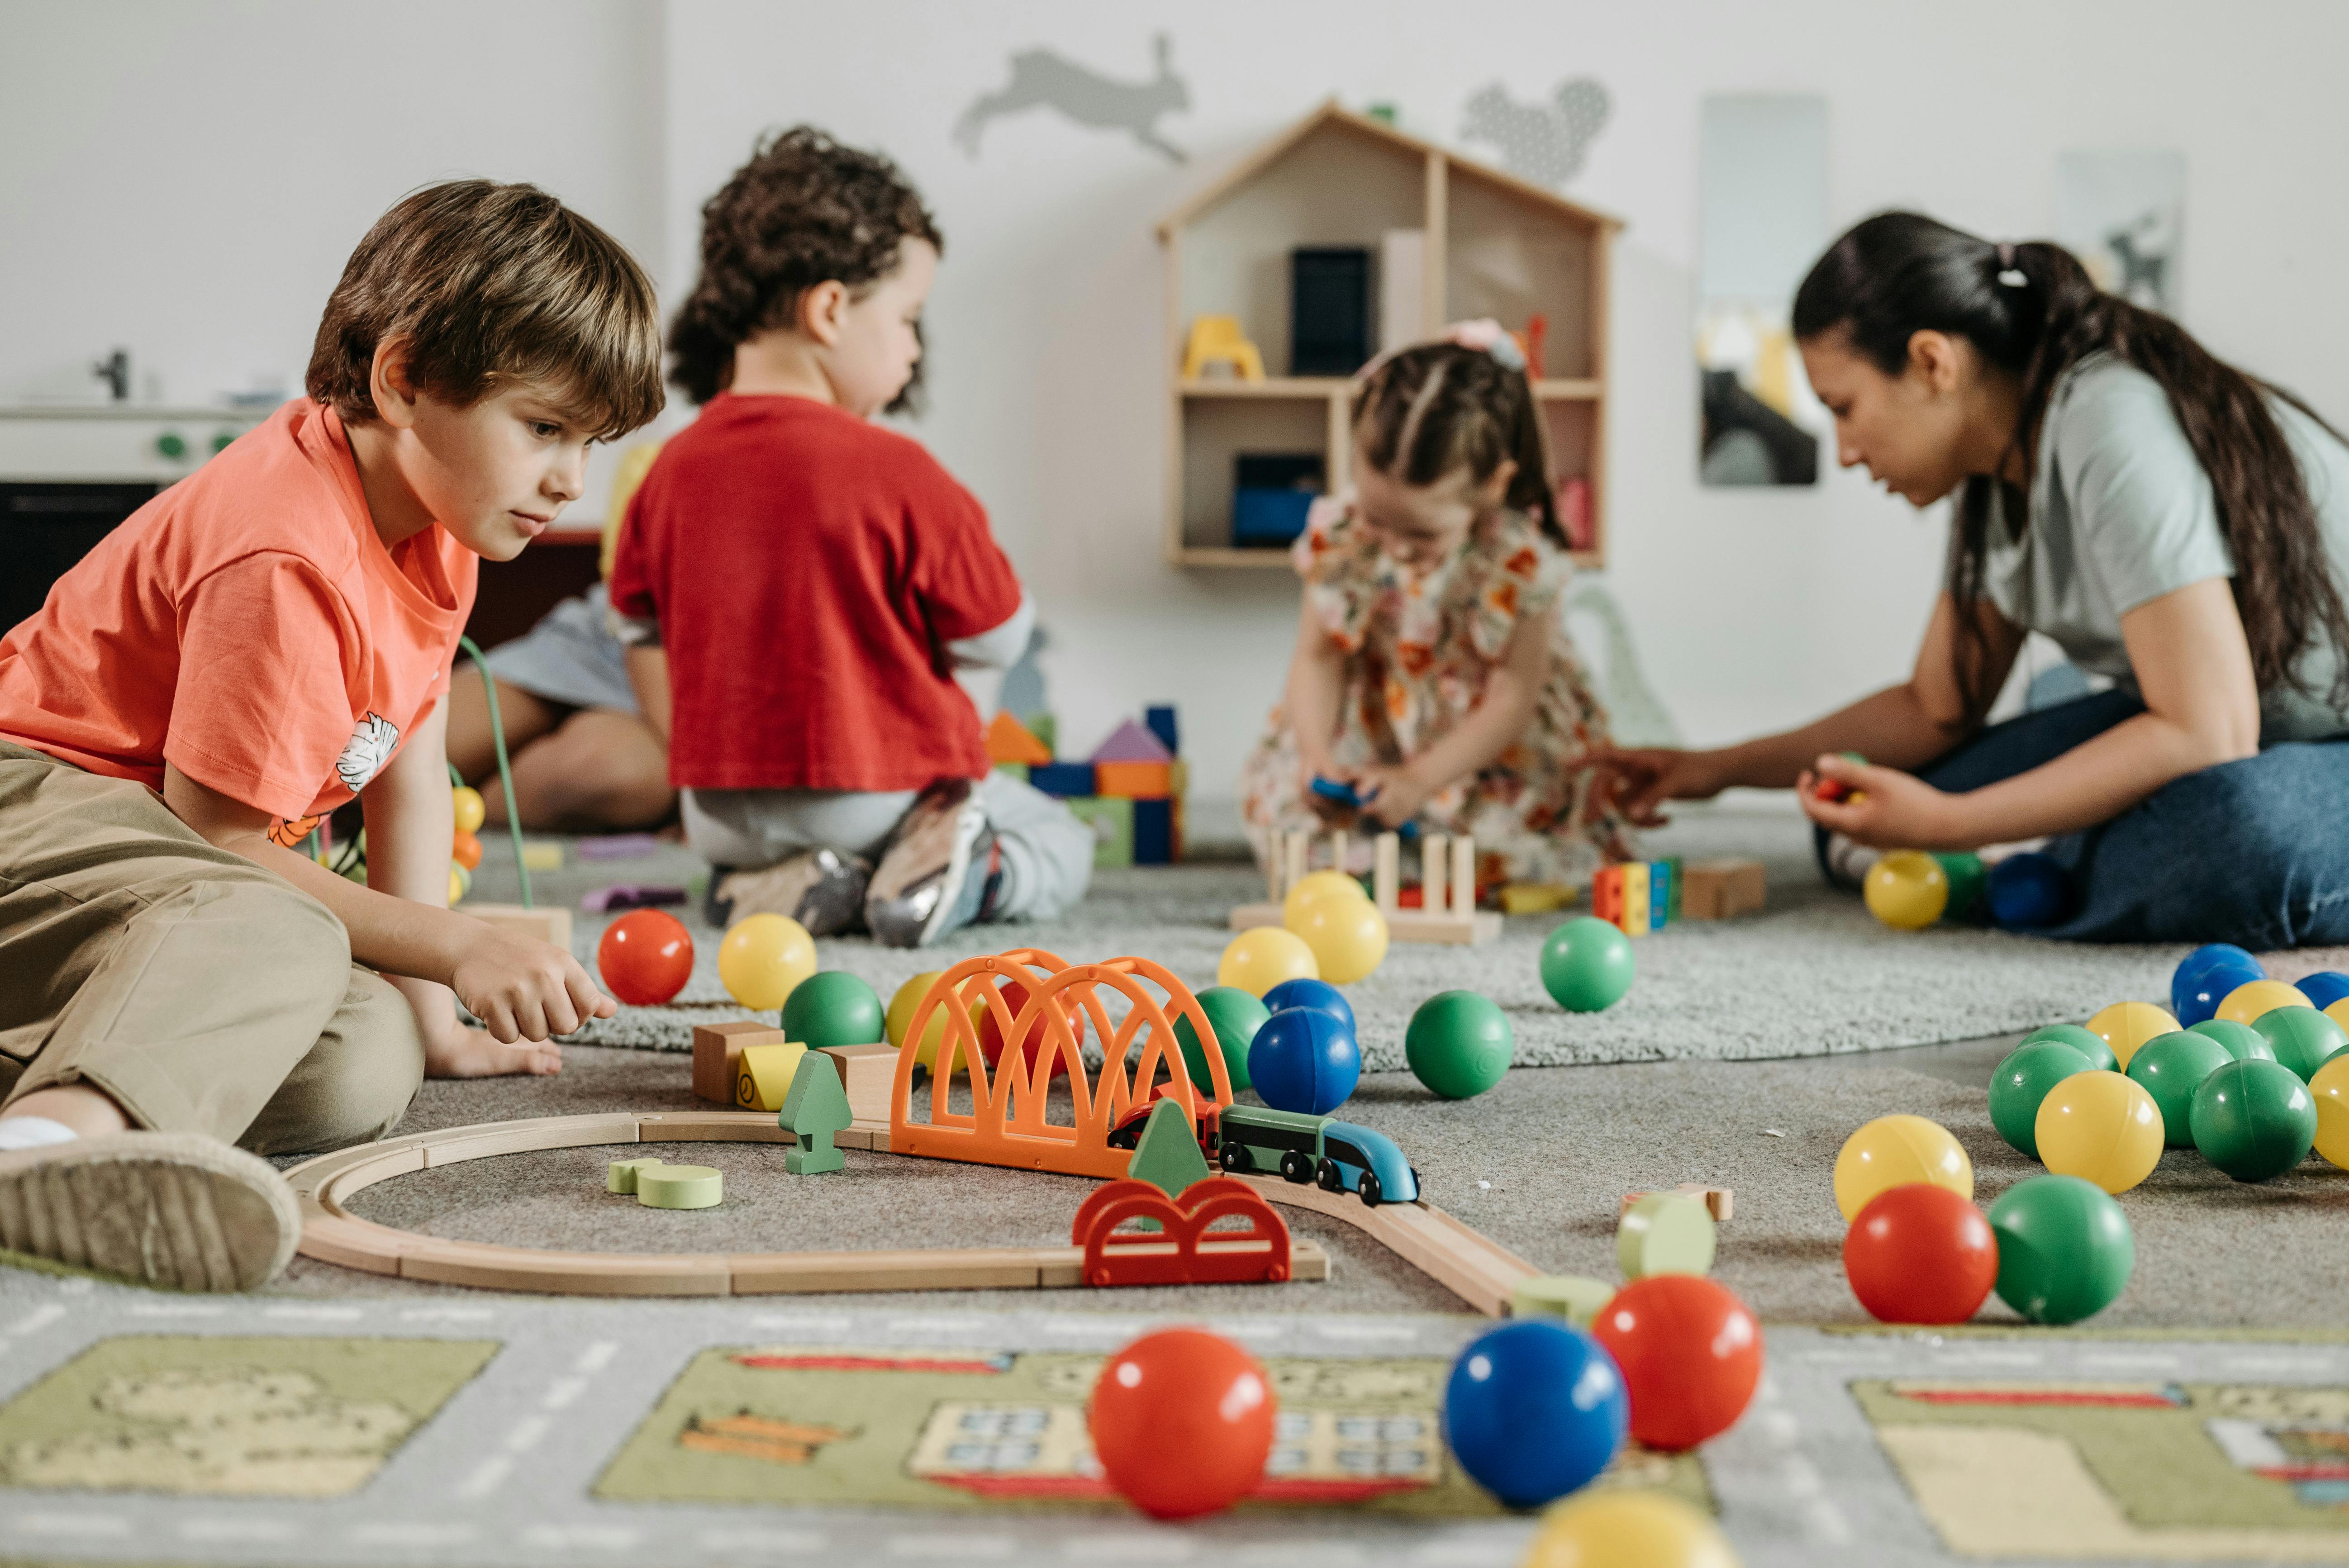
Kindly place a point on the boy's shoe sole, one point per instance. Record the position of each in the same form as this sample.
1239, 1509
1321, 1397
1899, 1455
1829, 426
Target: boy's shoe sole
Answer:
920, 877
823, 890
178, 1210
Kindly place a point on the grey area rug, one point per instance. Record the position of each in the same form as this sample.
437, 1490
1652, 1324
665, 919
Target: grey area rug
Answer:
1812, 974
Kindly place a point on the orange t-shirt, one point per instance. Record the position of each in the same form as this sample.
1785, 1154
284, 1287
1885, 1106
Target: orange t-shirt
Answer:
247, 627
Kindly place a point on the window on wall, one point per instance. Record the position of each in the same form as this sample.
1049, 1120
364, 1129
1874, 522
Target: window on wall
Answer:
1763, 214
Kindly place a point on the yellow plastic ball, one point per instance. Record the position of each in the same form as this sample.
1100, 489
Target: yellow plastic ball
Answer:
900, 1020
1893, 1151
2125, 1026
2339, 1013
1260, 959
470, 811
1907, 890
2330, 1089
1314, 885
2247, 1000
2102, 1127
1348, 936
1624, 1529
763, 958
459, 883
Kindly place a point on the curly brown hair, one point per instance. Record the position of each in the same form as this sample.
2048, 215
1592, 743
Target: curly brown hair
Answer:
804, 210
1439, 407
495, 283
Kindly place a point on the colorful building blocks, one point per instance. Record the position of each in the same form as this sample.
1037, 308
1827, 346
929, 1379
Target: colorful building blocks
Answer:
1110, 817
1130, 742
718, 1055
1720, 890
1009, 740
1070, 781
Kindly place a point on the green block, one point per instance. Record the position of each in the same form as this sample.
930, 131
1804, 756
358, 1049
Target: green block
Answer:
679, 1187
620, 1176
1574, 1297
1110, 817
813, 1112
1168, 1153
1664, 1232
1044, 728
1015, 769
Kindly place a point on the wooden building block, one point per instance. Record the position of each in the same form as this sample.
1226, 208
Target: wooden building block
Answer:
718, 1053
763, 1076
620, 1175
1721, 890
1386, 872
1636, 902
1463, 876
1574, 1297
1134, 780
548, 923
525, 1136
1664, 1232
662, 1186
869, 1074
1719, 1202
1432, 869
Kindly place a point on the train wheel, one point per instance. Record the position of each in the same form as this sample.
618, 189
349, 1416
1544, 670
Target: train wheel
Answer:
1370, 1190
1235, 1157
1297, 1167
1329, 1178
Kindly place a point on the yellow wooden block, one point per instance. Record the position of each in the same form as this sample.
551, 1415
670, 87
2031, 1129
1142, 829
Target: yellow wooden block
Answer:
542, 856
1533, 898
765, 1075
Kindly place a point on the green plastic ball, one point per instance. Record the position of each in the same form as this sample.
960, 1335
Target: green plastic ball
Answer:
2171, 1068
2080, 1038
1236, 1016
2243, 1043
1967, 879
1585, 965
2023, 1080
833, 1007
2065, 1248
2304, 1039
2254, 1119
1459, 1044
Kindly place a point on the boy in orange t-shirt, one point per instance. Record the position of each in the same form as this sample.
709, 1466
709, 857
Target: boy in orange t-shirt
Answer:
261, 643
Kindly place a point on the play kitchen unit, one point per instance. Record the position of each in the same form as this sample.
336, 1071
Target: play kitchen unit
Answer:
70, 472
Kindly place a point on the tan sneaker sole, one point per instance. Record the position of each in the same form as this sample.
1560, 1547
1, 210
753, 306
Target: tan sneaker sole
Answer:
178, 1210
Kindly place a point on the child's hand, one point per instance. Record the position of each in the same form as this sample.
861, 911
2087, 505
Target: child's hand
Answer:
1391, 796
464, 1052
1888, 810
524, 989
1640, 781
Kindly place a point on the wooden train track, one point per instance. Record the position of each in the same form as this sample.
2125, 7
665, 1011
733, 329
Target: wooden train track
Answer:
1464, 1262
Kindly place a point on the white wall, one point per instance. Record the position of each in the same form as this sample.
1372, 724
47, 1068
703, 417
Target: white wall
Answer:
191, 183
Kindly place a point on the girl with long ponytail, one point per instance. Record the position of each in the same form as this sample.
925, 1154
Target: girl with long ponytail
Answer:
2178, 527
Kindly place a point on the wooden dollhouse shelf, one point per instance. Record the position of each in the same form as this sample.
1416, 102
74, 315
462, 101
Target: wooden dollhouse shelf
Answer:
1493, 245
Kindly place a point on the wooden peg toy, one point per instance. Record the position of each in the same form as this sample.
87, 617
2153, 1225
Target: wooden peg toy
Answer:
814, 1112
621, 1175
662, 1186
1447, 913
1719, 1202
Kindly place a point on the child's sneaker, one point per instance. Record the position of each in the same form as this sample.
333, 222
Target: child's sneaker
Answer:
924, 886
823, 890
179, 1210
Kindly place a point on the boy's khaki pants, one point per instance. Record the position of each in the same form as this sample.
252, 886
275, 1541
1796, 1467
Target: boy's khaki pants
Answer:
201, 992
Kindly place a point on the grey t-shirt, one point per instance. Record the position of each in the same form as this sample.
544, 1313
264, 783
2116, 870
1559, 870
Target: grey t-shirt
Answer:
2121, 513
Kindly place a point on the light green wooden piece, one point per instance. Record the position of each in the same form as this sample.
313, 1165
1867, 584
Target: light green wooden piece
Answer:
621, 1177
815, 1109
679, 1187
1664, 1232
1576, 1298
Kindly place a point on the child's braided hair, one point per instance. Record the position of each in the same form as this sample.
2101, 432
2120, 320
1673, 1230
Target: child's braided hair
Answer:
1439, 408
804, 210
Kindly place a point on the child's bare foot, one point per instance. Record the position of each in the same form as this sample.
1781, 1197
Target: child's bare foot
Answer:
467, 1053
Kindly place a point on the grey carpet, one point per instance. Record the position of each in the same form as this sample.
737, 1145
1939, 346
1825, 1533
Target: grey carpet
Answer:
1539, 1164
1812, 974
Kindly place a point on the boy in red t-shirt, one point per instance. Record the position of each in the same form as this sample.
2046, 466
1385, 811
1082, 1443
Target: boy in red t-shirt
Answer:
799, 584
261, 643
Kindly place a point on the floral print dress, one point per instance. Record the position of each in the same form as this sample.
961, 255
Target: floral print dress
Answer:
1421, 642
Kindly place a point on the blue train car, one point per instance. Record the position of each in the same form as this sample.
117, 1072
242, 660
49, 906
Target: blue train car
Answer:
1336, 1155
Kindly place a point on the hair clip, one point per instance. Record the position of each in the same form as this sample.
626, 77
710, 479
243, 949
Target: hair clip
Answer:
2009, 273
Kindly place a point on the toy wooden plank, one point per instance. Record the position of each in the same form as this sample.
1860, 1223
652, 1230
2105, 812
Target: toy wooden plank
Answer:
1449, 930
352, 1243
564, 1273
711, 1126
522, 1137
1479, 1272
975, 1268
358, 1175
548, 924
869, 1074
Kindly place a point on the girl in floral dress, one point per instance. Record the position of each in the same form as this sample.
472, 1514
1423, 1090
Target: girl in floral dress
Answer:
1432, 670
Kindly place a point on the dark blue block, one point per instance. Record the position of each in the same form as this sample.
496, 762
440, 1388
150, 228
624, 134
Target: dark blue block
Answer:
1261, 517
1062, 778
1154, 832
1160, 722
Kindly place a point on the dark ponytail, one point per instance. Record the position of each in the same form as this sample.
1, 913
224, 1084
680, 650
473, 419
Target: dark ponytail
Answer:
1434, 409
2031, 310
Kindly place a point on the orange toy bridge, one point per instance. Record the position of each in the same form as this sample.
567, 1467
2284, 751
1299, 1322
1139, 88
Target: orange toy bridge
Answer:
1008, 1123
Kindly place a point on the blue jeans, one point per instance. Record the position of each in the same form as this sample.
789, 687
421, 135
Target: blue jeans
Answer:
2253, 852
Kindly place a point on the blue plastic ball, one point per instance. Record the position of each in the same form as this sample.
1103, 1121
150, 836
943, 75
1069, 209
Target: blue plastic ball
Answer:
1535, 1409
2199, 1005
1305, 1060
2029, 890
1318, 995
2323, 988
2185, 977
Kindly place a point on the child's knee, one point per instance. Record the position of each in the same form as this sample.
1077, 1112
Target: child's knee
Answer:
356, 1083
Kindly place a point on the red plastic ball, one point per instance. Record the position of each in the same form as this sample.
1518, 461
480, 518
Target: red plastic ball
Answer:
1920, 1254
1181, 1421
1015, 995
645, 957
1691, 1355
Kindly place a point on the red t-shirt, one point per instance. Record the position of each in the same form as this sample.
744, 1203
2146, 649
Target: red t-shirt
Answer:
808, 569
247, 627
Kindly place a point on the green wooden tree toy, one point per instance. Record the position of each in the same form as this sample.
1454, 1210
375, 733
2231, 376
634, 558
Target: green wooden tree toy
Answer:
1167, 1154
815, 1108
